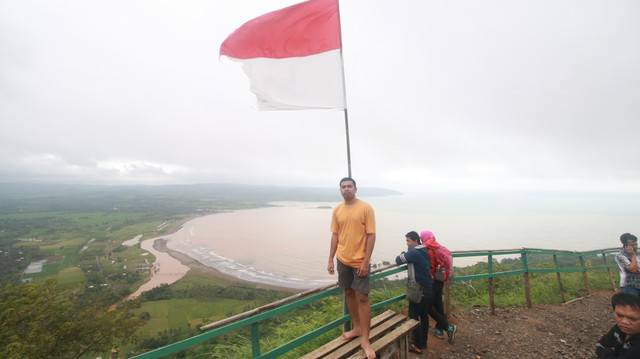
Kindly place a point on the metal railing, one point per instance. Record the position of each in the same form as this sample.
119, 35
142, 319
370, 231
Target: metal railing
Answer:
253, 317
526, 270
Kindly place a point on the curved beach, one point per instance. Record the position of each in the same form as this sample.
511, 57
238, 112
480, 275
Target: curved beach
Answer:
281, 246
171, 264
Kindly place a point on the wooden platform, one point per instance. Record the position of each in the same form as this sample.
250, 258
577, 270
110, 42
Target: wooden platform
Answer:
389, 338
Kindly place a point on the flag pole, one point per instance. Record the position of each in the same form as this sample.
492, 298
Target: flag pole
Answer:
346, 326
344, 94
346, 127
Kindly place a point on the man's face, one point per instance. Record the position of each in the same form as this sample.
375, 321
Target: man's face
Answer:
632, 244
628, 319
348, 190
410, 242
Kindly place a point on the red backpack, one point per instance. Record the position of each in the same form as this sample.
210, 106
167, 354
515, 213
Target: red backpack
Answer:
441, 263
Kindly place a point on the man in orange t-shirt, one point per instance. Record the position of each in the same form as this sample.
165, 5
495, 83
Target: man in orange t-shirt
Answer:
353, 236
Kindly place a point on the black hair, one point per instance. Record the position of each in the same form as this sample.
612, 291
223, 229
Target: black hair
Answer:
626, 237
348, 179
625, 299
414, 236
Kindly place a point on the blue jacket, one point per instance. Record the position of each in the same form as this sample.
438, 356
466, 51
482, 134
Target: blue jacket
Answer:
419, 256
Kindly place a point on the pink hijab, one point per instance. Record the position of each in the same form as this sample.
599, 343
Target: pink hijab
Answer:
426, 235
429, 240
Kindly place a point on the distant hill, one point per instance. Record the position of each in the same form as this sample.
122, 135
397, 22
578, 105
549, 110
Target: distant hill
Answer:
30, 196
240, 191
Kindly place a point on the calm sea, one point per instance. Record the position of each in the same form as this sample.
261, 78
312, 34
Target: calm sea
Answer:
288, 244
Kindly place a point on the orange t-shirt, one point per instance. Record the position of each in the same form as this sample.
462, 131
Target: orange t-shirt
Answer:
352, 224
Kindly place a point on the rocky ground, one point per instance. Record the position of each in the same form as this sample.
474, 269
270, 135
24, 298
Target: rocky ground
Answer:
569, 330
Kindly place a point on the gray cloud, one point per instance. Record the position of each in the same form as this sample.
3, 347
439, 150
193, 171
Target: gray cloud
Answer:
494, 94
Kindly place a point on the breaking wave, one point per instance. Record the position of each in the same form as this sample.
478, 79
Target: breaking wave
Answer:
241, 271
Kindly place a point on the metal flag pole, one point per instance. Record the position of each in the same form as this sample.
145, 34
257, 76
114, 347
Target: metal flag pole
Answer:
344, 94
346, 127
345, 310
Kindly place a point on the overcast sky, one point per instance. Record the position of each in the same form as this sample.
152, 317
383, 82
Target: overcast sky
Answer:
475, 94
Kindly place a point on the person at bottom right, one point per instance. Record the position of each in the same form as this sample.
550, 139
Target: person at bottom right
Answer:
623, 340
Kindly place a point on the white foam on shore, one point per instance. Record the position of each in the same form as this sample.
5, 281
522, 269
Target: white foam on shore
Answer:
228, 266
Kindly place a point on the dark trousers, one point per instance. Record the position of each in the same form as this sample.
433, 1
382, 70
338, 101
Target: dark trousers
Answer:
436, 310
420, 311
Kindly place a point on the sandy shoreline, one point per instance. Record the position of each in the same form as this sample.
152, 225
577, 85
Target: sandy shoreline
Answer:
202, 270
170, 266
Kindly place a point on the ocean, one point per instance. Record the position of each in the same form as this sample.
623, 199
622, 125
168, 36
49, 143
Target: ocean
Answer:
288, 244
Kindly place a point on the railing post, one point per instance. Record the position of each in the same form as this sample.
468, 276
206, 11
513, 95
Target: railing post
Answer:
613, 283
584, 275
345, 310
492, 304
555, 262
255, 340
527, 286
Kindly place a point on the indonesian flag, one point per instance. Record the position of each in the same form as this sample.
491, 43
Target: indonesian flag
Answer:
292, 56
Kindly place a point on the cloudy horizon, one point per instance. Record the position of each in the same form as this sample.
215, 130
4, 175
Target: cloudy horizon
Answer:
493, 95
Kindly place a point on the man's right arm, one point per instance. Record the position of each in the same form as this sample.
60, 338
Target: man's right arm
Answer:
332, 251
400, 259
406, 257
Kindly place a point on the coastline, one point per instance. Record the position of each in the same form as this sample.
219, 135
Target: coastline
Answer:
258, 245
166, 271
197, 268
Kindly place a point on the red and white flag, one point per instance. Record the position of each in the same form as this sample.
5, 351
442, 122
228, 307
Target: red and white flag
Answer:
292, 56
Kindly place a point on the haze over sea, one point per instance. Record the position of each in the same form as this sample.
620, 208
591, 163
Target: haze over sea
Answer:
288, 244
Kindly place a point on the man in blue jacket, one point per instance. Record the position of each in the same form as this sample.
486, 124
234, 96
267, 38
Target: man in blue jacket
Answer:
418, 254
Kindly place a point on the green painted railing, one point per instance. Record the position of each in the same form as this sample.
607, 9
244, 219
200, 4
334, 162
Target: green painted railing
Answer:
523, 252
526, 270
254, 317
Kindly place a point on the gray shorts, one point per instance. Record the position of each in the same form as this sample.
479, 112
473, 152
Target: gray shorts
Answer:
348, 278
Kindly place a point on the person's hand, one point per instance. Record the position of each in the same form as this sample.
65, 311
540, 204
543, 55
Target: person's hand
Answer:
630, 250
330, 267
363, 269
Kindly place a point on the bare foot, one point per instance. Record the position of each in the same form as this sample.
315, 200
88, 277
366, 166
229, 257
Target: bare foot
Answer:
369, 352
353, 333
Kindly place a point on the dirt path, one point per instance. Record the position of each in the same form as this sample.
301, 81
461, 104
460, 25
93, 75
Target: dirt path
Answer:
569, 330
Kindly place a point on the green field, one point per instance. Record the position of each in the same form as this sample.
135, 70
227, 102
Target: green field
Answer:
71, 276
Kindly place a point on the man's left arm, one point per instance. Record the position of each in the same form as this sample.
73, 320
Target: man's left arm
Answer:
363, 270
